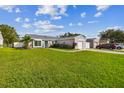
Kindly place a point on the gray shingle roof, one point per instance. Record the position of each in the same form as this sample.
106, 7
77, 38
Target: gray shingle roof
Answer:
71, 37
33, 36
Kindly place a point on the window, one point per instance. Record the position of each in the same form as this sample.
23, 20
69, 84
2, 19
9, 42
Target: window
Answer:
37, 43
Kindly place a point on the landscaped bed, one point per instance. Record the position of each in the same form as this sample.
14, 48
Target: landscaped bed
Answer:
50, 68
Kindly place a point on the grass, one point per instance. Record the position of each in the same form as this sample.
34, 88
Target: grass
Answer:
49, 68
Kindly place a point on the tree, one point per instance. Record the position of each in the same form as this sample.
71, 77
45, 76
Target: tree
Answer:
26, 39
9, 34
115, 35
68, 34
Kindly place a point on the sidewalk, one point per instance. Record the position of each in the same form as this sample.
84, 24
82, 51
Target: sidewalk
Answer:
106, 51
95, 50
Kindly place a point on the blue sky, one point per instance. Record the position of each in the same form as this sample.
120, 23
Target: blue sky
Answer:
54, 20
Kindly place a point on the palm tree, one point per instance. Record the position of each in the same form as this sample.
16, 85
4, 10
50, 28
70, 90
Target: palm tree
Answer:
26, 39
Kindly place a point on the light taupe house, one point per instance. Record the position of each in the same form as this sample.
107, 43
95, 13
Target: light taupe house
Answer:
93, 42
79, 41
1, 40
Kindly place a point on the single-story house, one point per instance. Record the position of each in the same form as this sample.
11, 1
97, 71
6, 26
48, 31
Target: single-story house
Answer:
41, 41
93, 42
1, 40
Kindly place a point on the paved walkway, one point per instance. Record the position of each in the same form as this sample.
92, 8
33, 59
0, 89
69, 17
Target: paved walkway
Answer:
95, 50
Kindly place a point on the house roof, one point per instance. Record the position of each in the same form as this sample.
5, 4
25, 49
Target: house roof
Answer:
91, 39
71, 37
33, 36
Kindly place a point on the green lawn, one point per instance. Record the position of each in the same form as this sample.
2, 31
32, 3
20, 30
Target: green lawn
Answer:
50, 68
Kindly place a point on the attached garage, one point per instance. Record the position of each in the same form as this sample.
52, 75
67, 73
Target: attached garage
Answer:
79, 41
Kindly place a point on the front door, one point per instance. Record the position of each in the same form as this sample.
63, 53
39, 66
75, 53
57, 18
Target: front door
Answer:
46, 44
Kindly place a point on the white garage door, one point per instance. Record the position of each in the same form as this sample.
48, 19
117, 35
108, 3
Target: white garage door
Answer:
81, 45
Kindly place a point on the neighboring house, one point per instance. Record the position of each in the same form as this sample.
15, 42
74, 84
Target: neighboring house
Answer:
104, 41
79, 42
93, 42
1, 40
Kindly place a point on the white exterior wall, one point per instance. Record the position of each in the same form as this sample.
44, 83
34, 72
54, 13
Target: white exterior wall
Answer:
1, 40
42, 43
18, 44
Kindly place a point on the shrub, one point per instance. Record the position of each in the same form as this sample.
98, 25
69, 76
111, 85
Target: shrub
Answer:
65, 46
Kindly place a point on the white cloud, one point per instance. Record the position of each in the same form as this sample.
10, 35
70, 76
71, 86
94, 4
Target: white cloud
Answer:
46, 26
91, 22
27, 20
74, 6
62, 9
8, 8
83, 14
52, 10
56, 17
114, 27
101, 9
70, 24
26, 25
17, 10
76, 24
98, 14
79, 24
18, 19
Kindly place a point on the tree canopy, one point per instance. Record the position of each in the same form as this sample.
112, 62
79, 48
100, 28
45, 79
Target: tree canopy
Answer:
9, 34
68, 34
115, 35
